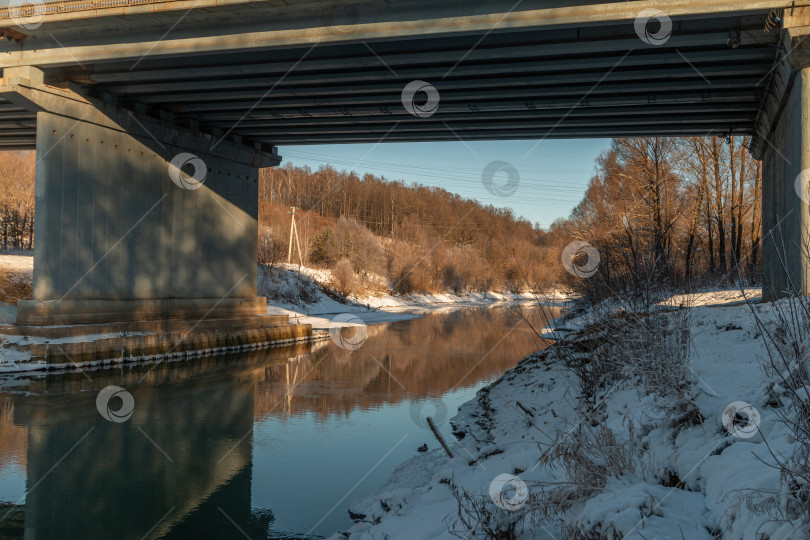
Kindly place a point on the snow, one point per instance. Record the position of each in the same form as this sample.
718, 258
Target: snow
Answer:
23, 264
717, 297
16, 273
284, 284
720, 474
668, 513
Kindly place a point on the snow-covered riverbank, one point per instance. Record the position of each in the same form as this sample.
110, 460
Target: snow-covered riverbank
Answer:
635, 466
304, 294
300, 293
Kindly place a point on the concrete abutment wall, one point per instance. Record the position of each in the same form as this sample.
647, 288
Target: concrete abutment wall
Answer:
785, 213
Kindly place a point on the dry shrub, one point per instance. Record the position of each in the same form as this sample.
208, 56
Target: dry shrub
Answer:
406, 268
788, 361
351, 241
650, 350
373, 284
479, 517
452, 279
271, 249
589, 457
653, 350
344, 280
461, 268
412, 280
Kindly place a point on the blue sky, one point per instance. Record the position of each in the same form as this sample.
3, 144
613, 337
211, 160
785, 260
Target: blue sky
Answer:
553, 174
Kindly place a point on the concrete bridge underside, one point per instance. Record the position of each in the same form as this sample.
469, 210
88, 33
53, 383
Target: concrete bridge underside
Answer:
110, 96
277, 74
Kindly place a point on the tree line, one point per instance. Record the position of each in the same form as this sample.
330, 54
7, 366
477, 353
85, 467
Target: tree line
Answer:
673, 211
421, 238
17, 200
682, 212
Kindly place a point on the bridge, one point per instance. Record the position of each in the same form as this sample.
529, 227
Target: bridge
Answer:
151, 119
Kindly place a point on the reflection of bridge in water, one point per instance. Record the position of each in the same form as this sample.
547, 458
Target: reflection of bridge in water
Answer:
185, 451
185, 456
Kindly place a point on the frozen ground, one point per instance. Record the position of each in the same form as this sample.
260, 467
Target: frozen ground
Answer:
690, 477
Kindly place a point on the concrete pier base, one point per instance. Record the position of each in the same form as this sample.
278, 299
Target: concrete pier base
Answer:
226, 336
135, 314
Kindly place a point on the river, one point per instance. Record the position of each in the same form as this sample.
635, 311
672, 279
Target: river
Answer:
271, 443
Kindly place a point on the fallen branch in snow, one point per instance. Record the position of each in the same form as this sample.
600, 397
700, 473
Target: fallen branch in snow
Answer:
439, 436
524, 409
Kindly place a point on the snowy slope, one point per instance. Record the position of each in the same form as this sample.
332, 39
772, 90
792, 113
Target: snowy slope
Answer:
689, 480
301, 293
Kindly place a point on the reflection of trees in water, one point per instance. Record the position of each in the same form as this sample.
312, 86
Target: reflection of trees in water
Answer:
426, 356
200, 413
13, 450
13, 439
421, 357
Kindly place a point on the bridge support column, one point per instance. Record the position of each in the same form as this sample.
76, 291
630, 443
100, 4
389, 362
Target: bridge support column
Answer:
782, 142
785, 212
136, 219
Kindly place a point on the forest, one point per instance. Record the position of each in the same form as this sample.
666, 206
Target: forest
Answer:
17, 201
421, 238
679, 212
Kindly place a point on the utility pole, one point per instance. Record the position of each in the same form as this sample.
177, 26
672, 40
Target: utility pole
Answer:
294, 233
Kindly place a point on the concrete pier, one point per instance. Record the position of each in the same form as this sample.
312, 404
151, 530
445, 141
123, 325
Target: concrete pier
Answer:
146, 235
786, 216
137, 219
783, 144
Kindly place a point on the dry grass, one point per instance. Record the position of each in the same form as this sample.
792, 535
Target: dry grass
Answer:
650, 350
589, 457
787, 342
14, 286
479, 517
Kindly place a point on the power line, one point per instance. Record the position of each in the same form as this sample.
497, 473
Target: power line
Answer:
400, 169
409, 167
319, 157
409, 155
452, 179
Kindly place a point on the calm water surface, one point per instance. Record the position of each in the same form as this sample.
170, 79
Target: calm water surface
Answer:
268, 444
